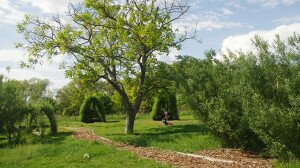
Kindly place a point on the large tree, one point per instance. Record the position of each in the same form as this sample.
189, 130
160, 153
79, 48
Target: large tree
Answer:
109, 41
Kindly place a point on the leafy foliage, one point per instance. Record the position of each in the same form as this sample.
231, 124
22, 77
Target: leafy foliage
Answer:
44, 107
12, 109
94, 108
109, 41
118, 106
249, 100
166, 101
107, 104
23, 107
70, 98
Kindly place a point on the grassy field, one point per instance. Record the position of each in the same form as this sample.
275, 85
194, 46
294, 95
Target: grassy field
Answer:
186, 135
61, 150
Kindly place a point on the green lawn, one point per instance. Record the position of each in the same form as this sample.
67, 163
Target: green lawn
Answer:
62, 151
186, 135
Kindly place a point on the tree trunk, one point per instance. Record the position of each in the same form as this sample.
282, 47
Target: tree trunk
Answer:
131, 109
130, 118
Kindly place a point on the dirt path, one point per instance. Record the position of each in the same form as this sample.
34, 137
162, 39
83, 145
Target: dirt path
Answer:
223, 158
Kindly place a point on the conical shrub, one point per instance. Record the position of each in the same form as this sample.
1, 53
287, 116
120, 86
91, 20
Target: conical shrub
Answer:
165, 101
94, 109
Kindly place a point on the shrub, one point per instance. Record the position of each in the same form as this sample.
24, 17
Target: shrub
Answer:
277, 127
165, 101
93, 109
12, 111
49, 111
249, 100
173, 107
40, 108
85, 110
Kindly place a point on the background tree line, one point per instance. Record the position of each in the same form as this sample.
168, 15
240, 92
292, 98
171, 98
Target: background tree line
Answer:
25, 107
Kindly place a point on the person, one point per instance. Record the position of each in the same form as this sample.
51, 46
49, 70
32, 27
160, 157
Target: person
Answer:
165, 117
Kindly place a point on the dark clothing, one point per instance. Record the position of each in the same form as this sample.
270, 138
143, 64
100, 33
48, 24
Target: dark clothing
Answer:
165, 117
165, 121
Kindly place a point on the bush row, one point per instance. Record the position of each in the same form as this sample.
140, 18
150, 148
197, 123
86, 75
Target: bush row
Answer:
250, 100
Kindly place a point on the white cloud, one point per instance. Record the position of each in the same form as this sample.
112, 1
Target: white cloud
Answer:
25, 74
210, 25
50, 6
287, 20
12, 55
273, 3
49, 71
234, 4
243, 42
45, 71
206, 20
9, 13
205, 25
169, 58
226, 11
21, 74
173, 54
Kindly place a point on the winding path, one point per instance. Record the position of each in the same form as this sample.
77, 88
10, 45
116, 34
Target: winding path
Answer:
182, 160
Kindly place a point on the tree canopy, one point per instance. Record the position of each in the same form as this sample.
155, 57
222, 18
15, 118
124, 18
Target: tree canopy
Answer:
110, 41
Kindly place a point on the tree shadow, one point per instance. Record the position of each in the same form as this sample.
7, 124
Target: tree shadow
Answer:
163, 134
114, 121
56, 138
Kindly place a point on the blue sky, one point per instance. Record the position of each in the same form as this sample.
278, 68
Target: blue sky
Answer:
221, 24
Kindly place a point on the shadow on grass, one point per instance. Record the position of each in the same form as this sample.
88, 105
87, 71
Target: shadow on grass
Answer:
51, 138
163, 134
114, 121
56, 138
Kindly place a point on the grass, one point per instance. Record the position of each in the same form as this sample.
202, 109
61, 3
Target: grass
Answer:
290, 164
62, 151
186, 135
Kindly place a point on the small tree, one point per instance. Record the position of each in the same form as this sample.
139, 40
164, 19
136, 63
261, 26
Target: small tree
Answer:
166, 101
